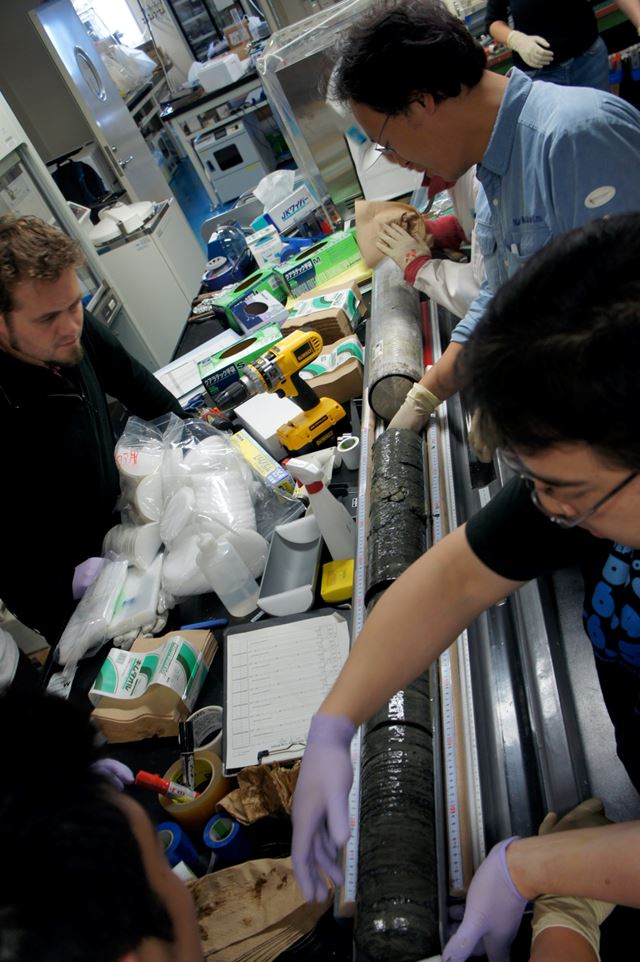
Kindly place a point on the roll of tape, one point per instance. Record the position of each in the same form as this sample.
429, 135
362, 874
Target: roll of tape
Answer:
192, 814
207, 728
177, 846
349, 448
183, 872
226, 837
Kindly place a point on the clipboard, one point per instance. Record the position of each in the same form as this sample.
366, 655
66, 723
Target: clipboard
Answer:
276, 675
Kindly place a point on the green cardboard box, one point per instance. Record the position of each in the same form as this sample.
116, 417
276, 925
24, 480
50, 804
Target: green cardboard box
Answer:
318, 264
222, 369
266, 279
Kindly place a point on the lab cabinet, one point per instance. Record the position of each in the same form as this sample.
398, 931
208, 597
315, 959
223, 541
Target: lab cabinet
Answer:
197, 24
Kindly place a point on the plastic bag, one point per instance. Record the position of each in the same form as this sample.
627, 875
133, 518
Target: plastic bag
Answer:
87, 627
274, 187
9, 655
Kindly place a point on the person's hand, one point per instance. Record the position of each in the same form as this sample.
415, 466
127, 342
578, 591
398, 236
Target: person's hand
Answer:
582, 915
493, 911
416, 409
320, 810
481, 447
533, 50
114, 771
446, 232
400, 246
85, 574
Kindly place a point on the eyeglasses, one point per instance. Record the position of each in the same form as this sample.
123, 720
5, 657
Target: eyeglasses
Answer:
385, 149
563, 521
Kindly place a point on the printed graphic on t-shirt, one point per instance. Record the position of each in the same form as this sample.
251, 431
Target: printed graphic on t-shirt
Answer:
612, 612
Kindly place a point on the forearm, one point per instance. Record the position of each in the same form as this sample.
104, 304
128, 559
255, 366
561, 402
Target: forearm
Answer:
442, 379
420, 615
500, 30
598, 863
451, 285
632, 9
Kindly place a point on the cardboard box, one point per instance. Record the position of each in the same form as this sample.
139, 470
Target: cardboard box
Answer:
266, 280
333, 314
225, 367
338, 373
320, 263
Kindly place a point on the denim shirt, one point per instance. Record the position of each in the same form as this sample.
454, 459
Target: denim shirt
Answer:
558, 158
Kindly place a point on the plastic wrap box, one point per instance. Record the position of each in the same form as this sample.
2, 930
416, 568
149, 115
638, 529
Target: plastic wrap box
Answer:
225, 367
320, 263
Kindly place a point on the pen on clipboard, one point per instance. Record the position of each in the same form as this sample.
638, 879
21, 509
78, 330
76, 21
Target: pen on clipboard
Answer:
185, 740
279, 750
211, 623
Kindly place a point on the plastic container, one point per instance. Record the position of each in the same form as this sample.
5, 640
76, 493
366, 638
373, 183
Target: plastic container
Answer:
289, 581
228, 575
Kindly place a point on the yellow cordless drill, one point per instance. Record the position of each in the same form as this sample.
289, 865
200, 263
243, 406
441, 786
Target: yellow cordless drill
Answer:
276, 372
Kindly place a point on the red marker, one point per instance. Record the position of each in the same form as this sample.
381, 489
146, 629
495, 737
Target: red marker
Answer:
157, 784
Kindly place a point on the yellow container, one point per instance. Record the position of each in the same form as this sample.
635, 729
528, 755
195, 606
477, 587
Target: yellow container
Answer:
337, 580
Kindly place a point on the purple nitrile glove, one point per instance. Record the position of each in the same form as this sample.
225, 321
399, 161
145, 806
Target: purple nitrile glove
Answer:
85, 574
321, 804
493, 911
114, 771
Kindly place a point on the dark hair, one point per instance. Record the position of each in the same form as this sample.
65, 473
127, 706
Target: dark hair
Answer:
73, 884
32, 249
555, 357
401, 50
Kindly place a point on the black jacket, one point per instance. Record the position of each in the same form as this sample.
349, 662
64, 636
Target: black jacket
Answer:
59, 482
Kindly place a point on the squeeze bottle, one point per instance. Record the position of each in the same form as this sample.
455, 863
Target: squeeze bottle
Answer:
336, 524
228, 575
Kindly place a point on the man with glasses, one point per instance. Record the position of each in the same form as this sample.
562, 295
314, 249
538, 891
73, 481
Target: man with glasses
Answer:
548, 158
553, 367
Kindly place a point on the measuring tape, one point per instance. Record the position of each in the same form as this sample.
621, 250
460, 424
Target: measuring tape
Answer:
345, 905
456, 871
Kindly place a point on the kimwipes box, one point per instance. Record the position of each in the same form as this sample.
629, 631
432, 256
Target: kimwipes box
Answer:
337, 373
333, 313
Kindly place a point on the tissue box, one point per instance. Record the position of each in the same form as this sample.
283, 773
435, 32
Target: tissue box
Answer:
220, 72
294, 208
265, 280
258, 310
337, 373
265, 245
320, 263
225, 367
333, 314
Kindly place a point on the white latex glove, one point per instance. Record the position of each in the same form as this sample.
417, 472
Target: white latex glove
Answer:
582, 915
400, 246
533, 50
418, 405
483, 449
